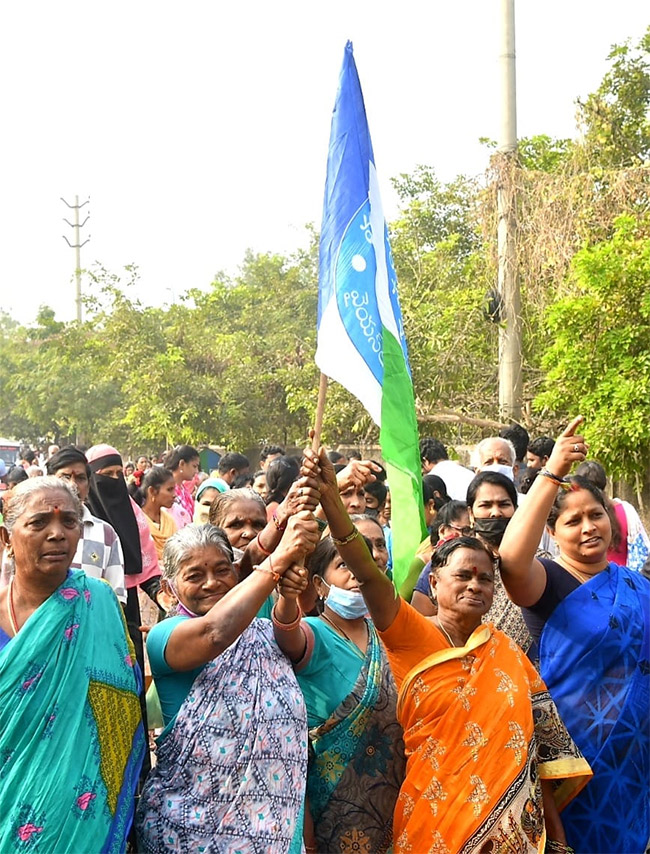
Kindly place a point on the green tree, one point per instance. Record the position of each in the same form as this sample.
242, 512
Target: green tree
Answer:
615, 118
599, 364
443, 279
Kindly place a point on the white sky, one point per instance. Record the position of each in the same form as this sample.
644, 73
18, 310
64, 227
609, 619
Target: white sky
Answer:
200, 128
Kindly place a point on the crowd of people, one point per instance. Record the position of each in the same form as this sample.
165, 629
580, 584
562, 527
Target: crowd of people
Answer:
220, 661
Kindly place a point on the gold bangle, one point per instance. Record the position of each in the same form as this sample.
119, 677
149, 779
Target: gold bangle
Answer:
346, 540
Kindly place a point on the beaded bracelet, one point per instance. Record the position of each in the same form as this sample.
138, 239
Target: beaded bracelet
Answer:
353, 535
269, 570
276, 522
285, 627
552, 845
264, 551
559, 481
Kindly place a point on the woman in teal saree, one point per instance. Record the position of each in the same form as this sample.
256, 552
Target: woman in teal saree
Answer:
71, 735
356, 747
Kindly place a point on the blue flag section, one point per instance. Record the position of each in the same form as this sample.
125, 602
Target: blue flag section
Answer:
361, 341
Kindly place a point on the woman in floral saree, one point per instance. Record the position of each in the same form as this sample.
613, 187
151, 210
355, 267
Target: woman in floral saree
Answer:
232, 759
487, 768
71, 734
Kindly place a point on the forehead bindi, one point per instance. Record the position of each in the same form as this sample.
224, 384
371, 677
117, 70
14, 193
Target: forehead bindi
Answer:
579, 502
468, 559
61, 502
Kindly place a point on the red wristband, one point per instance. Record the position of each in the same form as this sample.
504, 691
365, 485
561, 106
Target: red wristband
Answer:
264, 551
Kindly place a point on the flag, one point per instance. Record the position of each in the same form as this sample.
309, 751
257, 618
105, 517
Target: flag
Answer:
361, 341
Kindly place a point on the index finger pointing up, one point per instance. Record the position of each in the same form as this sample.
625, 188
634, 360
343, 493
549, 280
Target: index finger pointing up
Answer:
573, 426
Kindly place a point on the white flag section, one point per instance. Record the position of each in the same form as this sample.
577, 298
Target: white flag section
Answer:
346, 362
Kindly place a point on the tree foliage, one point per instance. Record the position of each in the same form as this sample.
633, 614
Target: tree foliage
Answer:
599, 363
615, 118
234, 365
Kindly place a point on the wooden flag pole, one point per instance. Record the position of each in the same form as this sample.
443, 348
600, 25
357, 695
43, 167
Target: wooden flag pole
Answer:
320, 411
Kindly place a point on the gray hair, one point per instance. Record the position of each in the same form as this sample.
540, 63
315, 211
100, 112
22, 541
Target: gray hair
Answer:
366, 517
219, 506
181, 545
24, 491
476, 453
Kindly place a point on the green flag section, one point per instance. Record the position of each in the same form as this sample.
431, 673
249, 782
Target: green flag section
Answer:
400, 449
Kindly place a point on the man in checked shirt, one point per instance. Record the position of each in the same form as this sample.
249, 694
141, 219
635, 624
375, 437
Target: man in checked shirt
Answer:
99, 552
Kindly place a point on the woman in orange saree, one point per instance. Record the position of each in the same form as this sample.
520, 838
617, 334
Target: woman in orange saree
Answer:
482, 736
489, 762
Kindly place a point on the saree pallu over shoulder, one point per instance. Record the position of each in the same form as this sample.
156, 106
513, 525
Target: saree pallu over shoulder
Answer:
358, 763
477, 750
71, 734
231, 772
594, 653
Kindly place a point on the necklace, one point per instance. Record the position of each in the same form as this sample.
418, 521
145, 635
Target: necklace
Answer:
445, 632
342, 631
10, 609
582, 577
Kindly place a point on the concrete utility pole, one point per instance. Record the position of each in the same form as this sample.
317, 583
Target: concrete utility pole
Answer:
510, 385
76, 225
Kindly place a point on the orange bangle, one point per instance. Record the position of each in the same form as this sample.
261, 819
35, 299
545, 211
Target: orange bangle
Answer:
285, 627
269, 570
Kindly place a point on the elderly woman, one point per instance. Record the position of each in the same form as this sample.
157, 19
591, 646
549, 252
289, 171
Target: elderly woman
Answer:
232, 759
481, 753
242, 515
592, 619
71, 734
452, 521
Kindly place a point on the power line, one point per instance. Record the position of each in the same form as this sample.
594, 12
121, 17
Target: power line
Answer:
76, 225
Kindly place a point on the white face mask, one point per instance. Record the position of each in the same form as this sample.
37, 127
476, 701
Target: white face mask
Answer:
348, 604
506, 470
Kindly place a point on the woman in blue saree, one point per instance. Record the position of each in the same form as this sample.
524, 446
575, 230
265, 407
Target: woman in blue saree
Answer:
592, 619
71, 734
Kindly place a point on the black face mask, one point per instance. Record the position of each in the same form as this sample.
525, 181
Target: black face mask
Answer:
492, 529
109, 499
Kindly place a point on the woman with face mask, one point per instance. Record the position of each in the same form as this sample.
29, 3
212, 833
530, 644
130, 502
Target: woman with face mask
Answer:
357, 758
492, 501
